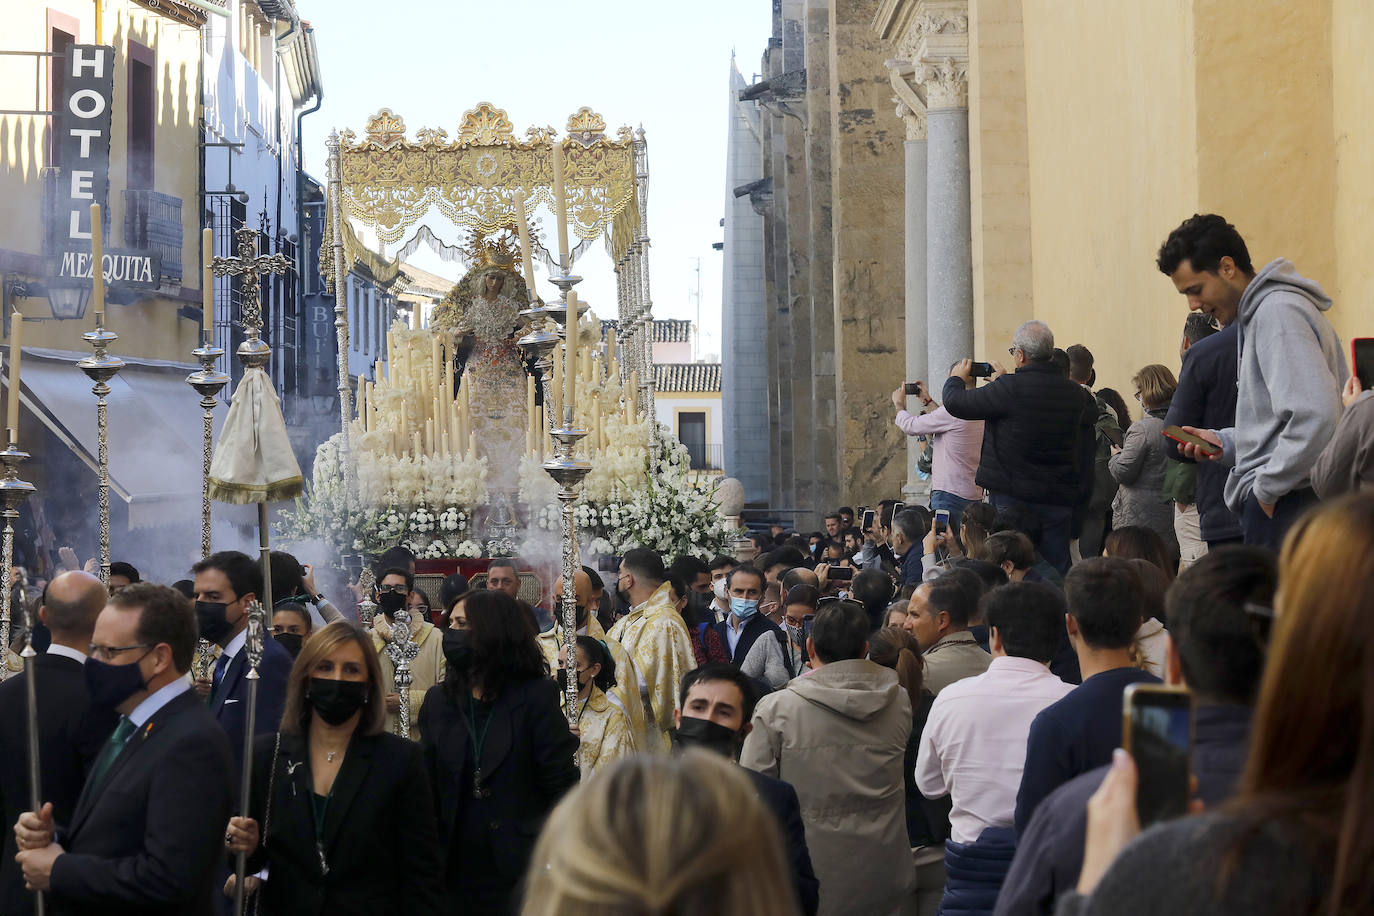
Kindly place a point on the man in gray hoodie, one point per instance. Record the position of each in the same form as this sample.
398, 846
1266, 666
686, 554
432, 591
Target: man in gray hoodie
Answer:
1291, 367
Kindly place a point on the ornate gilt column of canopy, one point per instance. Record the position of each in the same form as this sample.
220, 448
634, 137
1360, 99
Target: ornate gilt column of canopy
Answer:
938, 44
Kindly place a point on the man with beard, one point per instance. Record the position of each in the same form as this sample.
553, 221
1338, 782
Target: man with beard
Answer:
717, 708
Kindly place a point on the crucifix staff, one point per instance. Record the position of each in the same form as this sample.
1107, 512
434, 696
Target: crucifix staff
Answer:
253, 353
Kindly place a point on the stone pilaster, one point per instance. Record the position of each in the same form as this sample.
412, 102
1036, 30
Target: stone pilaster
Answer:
827, 492
867, 229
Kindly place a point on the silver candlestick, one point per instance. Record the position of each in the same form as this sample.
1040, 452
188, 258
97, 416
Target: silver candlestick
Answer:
208, 382
13, 493
568, 471
100, 367
538, 346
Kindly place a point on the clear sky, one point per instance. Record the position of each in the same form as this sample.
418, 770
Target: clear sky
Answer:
651, 62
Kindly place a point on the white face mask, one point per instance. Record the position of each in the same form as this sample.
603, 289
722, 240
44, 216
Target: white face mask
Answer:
719, 588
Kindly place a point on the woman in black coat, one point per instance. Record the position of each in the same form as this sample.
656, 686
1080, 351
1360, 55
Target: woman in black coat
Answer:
499, 752
348, 814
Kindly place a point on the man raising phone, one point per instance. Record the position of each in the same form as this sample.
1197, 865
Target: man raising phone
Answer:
956, 444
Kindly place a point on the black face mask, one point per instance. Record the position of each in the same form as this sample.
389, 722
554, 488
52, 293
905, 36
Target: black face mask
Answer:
335, 701
211, 622
457, 651
391, 602
707, 735
109, 685
291, 642
565, 676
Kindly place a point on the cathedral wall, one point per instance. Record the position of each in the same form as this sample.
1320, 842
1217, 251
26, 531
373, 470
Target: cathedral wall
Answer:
1112, 132
1352, 28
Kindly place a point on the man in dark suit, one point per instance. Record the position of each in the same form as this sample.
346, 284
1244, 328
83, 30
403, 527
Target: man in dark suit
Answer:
226, 583
146, 835
70, 731
717, 711
755, 643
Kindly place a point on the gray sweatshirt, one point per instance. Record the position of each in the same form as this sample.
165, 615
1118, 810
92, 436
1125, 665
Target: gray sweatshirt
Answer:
1289, 395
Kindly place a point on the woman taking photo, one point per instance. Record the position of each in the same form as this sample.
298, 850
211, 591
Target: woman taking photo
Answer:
336, 794
1298, 836
498, 750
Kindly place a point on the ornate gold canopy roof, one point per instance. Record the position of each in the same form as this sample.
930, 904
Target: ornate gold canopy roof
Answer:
389, 182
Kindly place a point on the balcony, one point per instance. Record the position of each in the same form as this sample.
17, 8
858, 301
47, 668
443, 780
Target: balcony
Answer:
706, 457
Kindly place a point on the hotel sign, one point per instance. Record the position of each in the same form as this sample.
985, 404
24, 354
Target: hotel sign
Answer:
123, 268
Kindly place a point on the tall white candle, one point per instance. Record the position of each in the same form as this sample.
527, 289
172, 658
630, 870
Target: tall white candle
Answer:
561, 200
98, 265
16, 344
207, 282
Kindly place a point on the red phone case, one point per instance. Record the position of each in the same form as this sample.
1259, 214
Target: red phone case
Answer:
1214, 449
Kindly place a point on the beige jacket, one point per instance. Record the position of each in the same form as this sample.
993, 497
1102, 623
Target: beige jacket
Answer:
427, 668
838, 735
954, 657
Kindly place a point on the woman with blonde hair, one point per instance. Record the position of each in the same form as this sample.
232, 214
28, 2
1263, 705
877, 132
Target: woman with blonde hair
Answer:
1139, 465
685, 835
1298, 836
331, 787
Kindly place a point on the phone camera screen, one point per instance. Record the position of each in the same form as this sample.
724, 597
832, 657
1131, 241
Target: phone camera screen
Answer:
1161, 731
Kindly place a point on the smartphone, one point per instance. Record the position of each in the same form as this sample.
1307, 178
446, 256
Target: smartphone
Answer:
806, 627
912, 388
941, 521
867, 523
840, 573
1362, 361
1178, 435
1158, 733
981, 370
896, 507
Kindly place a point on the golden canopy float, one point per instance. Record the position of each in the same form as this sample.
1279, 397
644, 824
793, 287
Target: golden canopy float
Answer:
443, 448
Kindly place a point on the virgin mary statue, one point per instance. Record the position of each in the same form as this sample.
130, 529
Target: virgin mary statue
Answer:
482, 313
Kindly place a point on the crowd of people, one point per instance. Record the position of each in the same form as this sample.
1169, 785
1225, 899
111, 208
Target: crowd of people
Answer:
917, 710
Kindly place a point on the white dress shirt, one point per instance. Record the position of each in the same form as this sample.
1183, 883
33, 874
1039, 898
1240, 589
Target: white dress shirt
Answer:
974, 744
75, 655
158, 699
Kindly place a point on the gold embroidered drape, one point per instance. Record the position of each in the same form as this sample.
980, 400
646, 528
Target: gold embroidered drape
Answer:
390, 183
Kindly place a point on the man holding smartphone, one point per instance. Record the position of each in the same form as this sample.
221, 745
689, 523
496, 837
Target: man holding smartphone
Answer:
1288, 395
956, 443
1038, 439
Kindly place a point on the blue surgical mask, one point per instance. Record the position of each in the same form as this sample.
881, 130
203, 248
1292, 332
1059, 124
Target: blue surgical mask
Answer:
743, 608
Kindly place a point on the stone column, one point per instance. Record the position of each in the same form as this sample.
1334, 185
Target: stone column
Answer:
911, 109
943, 69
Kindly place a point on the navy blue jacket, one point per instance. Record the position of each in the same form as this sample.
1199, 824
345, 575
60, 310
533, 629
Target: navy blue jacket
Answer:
974, 872
229, 701
781, 799
1040, 436
1206, 399
1074, 735
1050, 854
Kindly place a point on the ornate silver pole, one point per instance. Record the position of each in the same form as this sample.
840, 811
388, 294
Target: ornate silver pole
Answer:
367, 608
401, 649
334, 203
538, 347
100, 367
257, 629
568, 470
208, 382
13, 492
